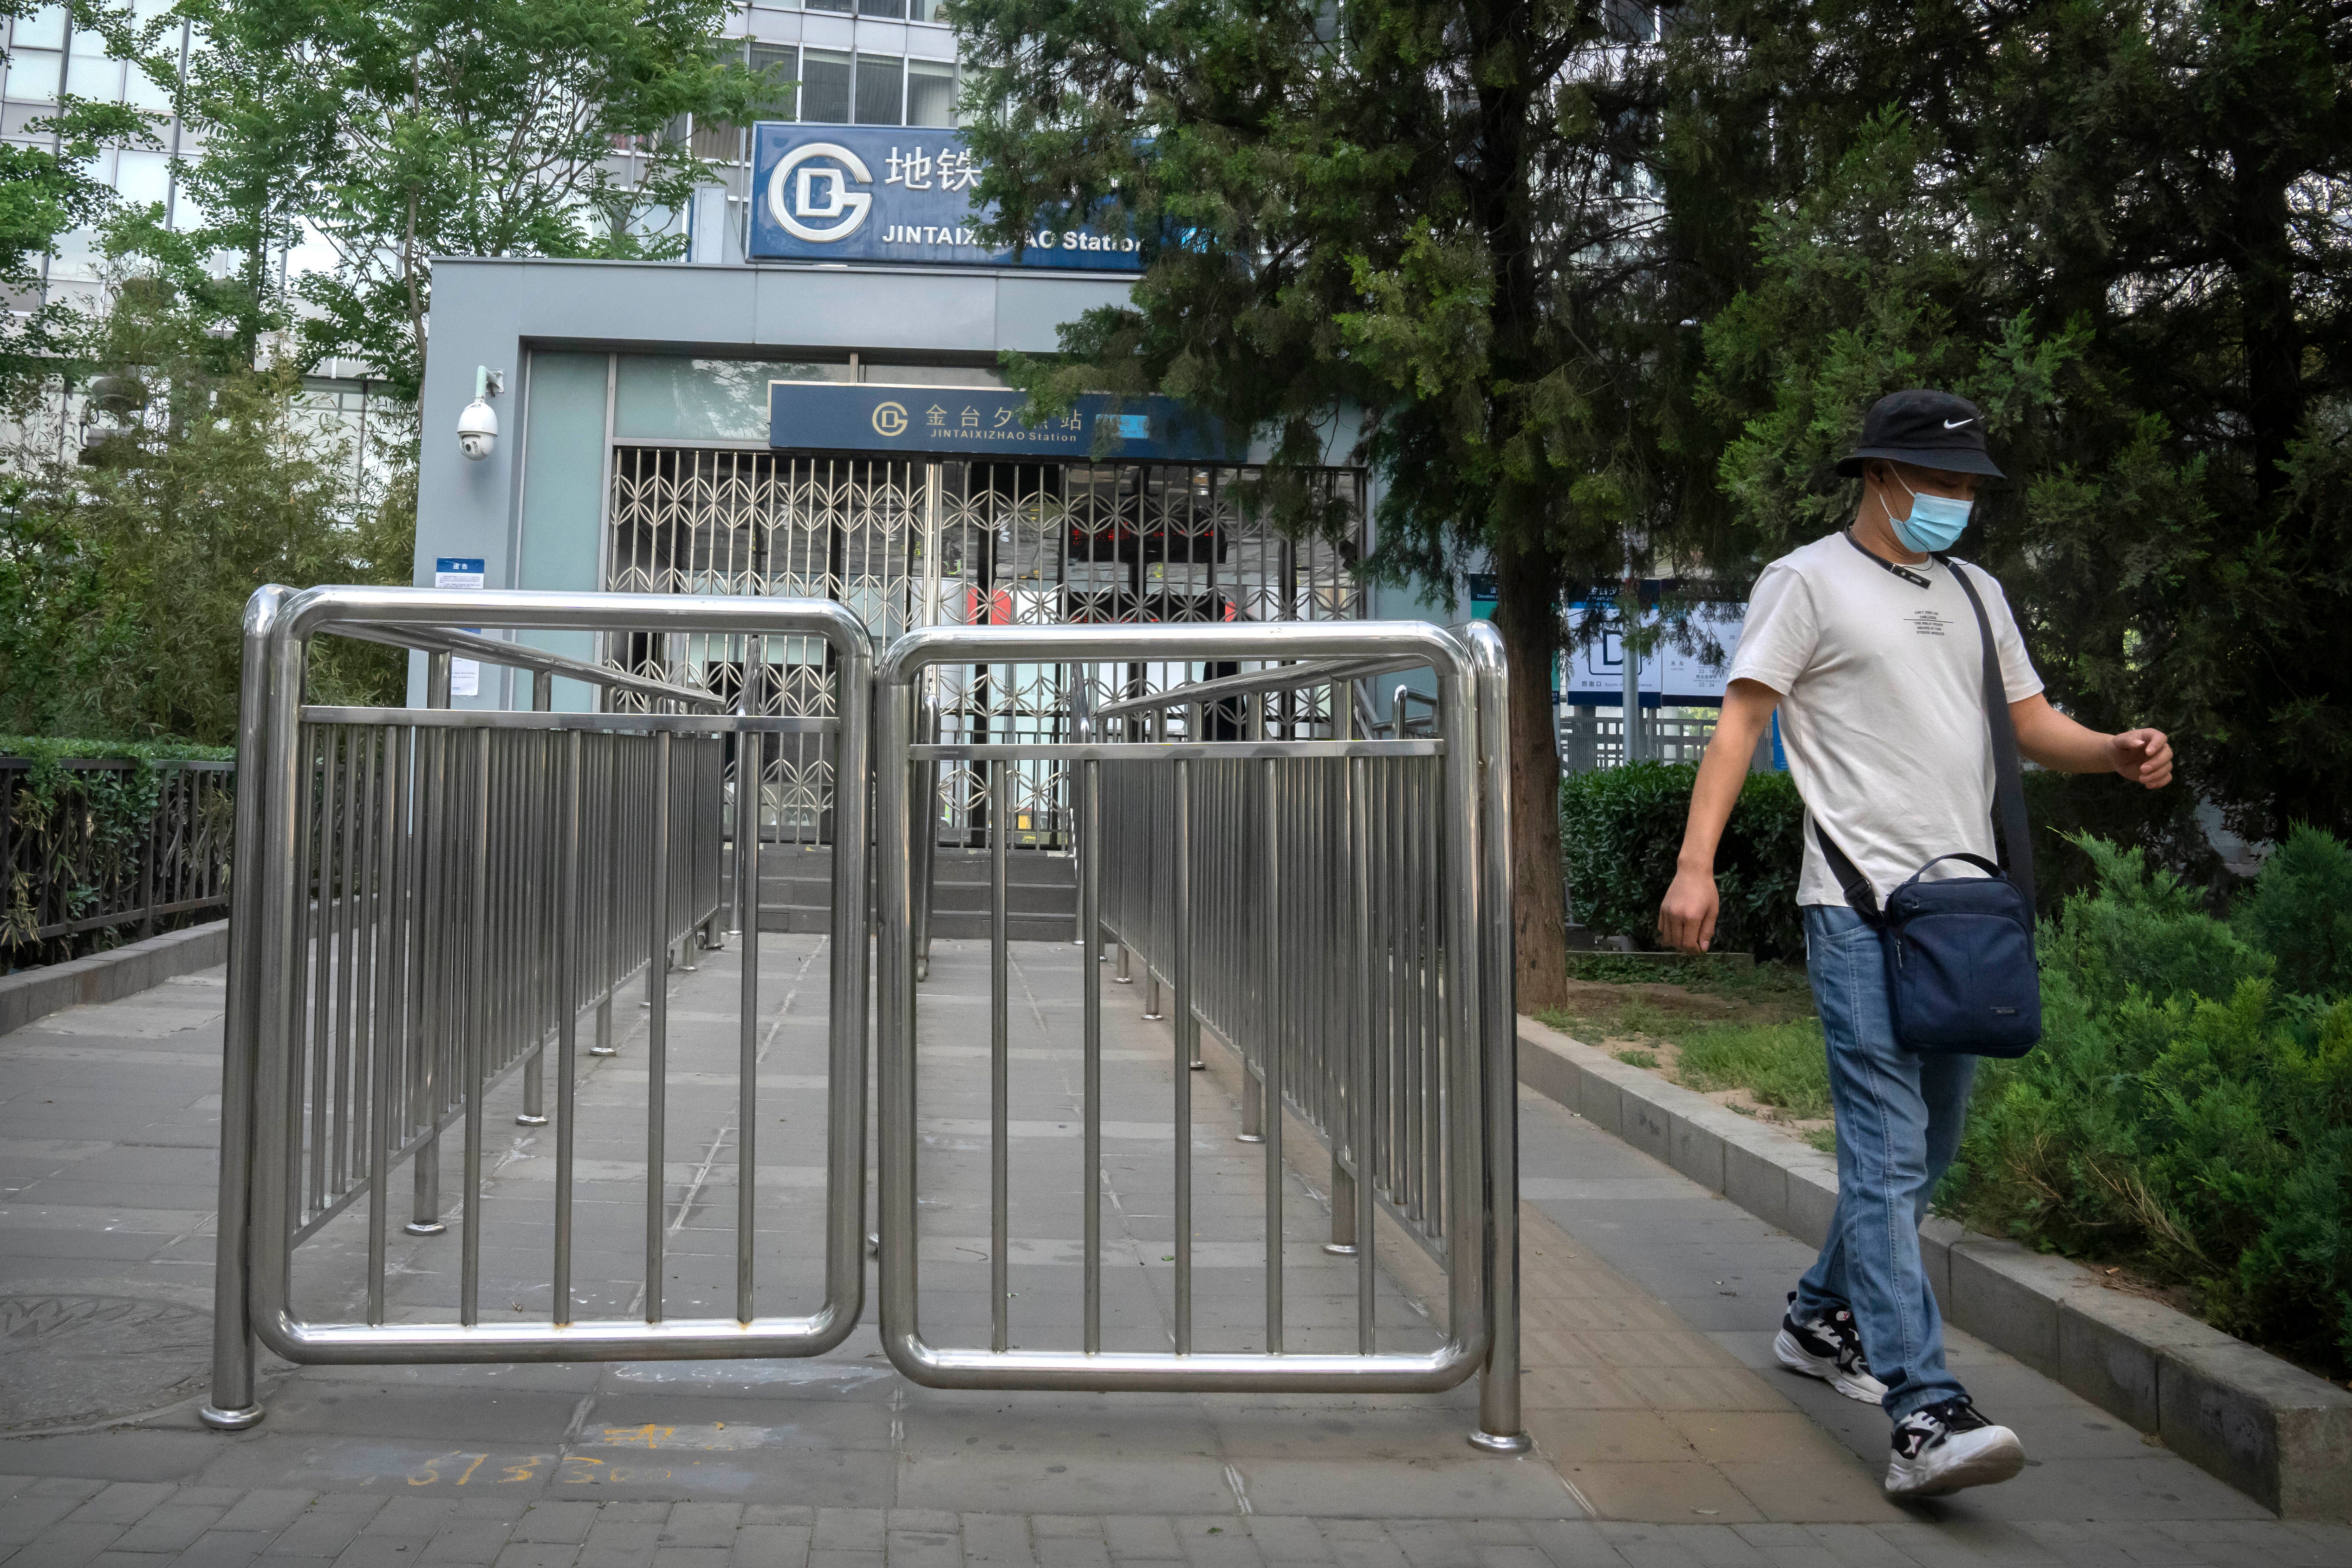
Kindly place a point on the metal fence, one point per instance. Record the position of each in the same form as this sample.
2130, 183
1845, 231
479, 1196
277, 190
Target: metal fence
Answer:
1592, 737
428, 900
1337, 909
110, 844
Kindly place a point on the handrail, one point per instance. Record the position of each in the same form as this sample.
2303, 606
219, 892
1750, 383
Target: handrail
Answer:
490, 650
1405, 695
1281, 678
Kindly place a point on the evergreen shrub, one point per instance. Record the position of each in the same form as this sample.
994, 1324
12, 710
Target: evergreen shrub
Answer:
2189, 1107
1620, 829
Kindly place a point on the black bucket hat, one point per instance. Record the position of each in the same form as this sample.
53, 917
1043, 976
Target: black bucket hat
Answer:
1931, 429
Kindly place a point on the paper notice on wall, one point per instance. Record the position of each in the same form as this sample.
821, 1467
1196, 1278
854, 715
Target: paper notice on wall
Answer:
461, 571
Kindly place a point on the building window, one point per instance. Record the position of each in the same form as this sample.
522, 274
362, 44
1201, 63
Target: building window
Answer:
842, 5
930, 92
90, 72
896, 10
781, 64
880, 86
45, 28
33, 73
824, 87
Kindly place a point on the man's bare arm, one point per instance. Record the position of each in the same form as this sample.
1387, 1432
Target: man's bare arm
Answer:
1686, 919
2060, 744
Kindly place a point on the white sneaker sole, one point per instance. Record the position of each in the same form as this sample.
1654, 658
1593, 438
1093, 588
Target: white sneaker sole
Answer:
1793, 1355
1980, 1459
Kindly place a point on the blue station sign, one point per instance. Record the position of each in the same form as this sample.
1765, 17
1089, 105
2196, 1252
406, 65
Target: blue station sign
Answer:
984, 422
872, 192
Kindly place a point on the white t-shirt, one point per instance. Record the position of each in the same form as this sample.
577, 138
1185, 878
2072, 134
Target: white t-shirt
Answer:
1881, 677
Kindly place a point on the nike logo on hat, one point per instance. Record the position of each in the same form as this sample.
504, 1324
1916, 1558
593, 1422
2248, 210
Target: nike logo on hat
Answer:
1956, 423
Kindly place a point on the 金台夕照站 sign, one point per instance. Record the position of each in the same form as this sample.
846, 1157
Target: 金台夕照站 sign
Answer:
986, 422
864, 193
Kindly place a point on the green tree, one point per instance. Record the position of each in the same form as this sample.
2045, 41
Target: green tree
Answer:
1440, 215
2120, 228
124, 574
403, 130
46, 192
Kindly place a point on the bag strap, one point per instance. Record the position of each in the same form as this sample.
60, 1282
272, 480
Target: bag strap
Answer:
1859, 894
2009, 784
1978, 861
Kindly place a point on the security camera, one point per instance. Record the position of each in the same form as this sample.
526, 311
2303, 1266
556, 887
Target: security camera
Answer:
478, 425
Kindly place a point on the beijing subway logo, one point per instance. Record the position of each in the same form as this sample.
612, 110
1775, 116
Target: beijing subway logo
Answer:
890, 419
813, 201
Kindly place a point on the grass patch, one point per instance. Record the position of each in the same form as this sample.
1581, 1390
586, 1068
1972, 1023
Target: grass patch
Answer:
1783, 1064
1765, 982
1639, 1059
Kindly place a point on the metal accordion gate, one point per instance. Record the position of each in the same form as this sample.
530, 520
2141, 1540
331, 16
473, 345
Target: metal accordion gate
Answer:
904, 544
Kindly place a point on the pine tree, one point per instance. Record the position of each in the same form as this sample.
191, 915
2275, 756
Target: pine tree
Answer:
1441, 215
2120, 228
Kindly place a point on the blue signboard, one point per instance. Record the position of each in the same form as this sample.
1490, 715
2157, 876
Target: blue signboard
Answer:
1595, 673
871, 193
983, 422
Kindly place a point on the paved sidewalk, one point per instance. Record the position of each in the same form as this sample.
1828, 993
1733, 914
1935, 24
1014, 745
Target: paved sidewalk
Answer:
1663, 1435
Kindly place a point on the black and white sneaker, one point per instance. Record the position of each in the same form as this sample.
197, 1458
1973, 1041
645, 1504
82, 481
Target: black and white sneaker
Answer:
1948, 1447
1828, 1348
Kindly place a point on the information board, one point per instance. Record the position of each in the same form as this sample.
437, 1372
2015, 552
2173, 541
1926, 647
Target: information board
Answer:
1595, 673
461, 571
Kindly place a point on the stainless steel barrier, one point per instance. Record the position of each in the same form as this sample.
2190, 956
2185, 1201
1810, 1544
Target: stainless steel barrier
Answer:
426, 899
429, 903
1337, 909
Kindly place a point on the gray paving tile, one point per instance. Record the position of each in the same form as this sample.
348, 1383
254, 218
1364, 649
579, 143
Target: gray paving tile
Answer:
122, 1502
171, 1527
555, 1520
701, 1524
771, 1546
539, 1554
225, 1549
996, 1538
264, 1509
66, 1545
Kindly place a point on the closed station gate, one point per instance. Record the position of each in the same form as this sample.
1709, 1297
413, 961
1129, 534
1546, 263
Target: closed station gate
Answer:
439, 911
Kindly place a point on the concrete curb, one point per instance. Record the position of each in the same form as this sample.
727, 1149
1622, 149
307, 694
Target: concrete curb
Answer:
105, 977
2269, 1428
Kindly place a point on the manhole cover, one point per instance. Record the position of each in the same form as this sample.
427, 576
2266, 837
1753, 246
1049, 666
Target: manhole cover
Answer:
67, 1360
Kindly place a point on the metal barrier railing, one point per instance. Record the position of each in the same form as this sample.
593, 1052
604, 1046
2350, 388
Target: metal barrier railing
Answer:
1337, 909
429, 903
425, 901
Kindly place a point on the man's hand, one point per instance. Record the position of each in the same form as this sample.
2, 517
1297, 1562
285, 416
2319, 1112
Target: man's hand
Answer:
2143, 756
1686, 919
2060, 744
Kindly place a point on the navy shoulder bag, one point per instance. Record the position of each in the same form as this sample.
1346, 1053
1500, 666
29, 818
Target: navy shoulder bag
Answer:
1960, 971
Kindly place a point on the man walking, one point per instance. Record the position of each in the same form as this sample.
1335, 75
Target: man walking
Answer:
1869, 649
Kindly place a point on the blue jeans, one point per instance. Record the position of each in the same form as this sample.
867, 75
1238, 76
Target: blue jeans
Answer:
1899, 1115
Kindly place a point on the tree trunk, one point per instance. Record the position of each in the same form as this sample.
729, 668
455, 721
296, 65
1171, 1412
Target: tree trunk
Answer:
2274, 340
1528, 615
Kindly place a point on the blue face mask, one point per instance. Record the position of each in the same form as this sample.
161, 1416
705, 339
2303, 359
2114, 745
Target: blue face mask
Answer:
1934, 522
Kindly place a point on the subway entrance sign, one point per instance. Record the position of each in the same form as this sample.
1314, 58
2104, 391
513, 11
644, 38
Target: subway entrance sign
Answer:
987, 422
869, 192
